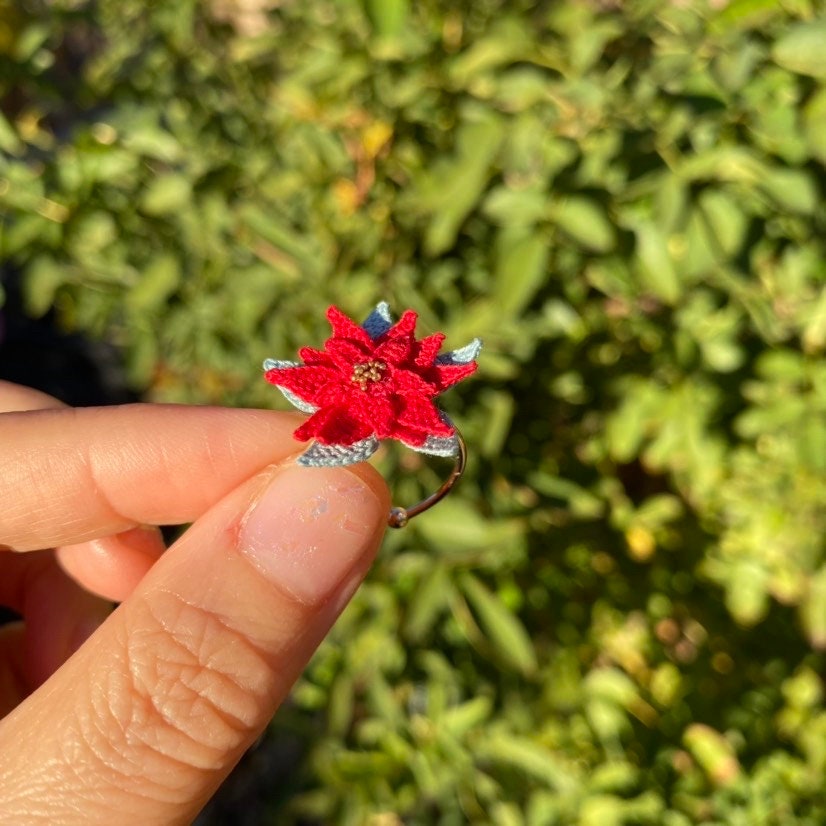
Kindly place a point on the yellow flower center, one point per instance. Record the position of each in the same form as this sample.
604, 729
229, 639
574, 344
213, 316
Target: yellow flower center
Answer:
367, 373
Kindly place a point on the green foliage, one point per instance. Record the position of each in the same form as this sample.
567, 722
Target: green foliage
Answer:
619, 617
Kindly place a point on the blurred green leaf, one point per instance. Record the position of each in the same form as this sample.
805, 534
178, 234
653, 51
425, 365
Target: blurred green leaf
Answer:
791, 189
814, 333
450, 191
342, 704
91, 232
713, 752
467, 716
9, 140
43, 280
148, 139
431, 598
167, 194
531, 758
158, 281
499, 409
507, 40
388, 17
747, 596
520, 207
655, 265
585, 223
725, 220
521, 269
143, 355
814, 121
503, 629
26, 230
800, 49
458, 527
29, 40
813, 609
618, 776
740, 14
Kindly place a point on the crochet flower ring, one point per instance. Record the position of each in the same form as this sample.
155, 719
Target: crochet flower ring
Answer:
371, 382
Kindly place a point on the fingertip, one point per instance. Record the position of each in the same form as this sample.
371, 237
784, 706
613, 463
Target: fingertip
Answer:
145, 539
111, 567
17, 398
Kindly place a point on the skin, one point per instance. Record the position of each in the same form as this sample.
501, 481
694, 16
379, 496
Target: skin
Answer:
137, 715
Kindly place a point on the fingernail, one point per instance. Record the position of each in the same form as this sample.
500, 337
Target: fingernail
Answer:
309, 528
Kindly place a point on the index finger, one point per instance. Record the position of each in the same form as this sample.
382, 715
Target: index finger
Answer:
73, 474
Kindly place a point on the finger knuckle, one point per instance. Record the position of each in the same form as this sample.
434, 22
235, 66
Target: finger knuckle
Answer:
189, 692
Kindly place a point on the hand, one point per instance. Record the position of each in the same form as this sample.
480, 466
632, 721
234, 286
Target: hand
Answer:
144, 720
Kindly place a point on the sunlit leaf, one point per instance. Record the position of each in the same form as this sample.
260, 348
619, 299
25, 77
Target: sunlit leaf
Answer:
655, 265
800, 49
520, 269
503, 628
584, 221
45, 275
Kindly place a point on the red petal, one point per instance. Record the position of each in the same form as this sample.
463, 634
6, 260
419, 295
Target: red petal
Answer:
377, 411
396, 345
446, 375
306, 381
347, 353
338, 393
422, 414
313, 425
409, 435
427, 349
380, 413
395, 350
409, 382
341, 427
345, 327
405, 326
309, 355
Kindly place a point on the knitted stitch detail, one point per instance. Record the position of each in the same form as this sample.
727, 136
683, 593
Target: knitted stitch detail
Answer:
319, 455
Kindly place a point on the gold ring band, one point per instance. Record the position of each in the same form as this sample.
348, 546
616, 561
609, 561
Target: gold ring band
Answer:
399, 516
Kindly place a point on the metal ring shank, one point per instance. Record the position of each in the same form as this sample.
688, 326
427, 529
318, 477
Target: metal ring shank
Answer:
399, 517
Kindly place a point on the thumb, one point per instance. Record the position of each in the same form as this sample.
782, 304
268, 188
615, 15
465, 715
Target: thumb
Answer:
147, 718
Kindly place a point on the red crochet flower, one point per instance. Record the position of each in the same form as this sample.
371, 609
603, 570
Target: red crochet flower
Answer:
376, 381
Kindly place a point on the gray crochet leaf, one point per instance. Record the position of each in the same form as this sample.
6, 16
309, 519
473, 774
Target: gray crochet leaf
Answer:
379, 321
464, 355
295, 401
319, 455
447, 446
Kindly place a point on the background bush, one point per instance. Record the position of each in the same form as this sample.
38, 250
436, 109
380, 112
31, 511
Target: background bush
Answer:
620, 616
